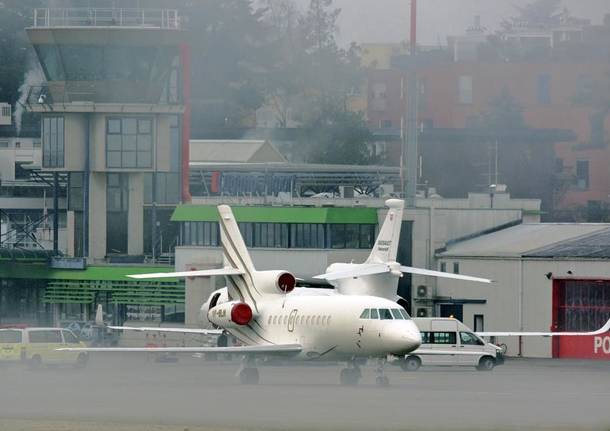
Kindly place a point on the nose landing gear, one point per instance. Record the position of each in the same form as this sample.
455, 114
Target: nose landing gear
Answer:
381, 379
351, 375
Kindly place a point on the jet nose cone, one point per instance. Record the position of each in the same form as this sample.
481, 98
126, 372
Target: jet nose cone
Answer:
402, 338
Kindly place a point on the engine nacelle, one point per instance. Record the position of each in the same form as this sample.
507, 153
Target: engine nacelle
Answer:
280, 282
217, 297
229, 314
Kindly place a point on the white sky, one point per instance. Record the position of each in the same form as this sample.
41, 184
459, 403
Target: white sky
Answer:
388, 20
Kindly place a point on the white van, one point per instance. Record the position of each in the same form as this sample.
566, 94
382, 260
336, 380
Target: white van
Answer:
449, 334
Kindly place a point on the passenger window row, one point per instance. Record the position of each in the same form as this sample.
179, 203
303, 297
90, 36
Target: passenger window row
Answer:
316, 320
385, 314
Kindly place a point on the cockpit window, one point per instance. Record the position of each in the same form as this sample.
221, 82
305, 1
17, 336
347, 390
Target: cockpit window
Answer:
405, 314
374, 313
365, 314
396, 314
385, 314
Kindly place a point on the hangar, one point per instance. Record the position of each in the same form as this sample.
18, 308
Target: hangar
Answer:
547, 277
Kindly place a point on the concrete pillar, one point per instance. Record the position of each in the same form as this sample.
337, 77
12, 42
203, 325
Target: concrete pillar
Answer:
97, 216
70, 226
135, 216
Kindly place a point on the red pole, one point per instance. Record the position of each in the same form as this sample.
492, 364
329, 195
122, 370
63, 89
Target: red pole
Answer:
185, 60
413, 26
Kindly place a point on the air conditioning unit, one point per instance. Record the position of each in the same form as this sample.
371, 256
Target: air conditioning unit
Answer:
422, 312
422, 291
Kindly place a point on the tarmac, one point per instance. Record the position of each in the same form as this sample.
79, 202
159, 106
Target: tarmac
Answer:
135, 393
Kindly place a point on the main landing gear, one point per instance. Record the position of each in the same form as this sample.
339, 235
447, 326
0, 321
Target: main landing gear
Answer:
248, 373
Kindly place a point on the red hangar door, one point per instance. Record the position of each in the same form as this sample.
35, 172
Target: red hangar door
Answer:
581, 305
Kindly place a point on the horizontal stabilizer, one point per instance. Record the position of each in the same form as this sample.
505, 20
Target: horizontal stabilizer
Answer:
439, 274
382, 268
356, 271
170, 330
265, 348
600, 331
201, 273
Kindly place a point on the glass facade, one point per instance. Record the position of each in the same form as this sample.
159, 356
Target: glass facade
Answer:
284, 235
53, 142
106, 63
129, 142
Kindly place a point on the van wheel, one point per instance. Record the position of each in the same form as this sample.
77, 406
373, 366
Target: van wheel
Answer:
486, 363
81, 360
412, 363
35, 362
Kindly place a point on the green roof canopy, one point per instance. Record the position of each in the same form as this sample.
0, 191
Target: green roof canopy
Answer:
92, 273
279, 214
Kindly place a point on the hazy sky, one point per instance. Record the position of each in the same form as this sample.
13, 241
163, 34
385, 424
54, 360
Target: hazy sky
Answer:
388, 20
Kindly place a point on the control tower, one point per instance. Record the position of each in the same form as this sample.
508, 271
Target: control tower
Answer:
116, 119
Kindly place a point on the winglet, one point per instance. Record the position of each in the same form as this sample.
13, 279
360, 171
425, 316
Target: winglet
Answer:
99, 315
603, 329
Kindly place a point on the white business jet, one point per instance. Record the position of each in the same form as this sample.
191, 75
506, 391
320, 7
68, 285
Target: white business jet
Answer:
379, 274
256, 308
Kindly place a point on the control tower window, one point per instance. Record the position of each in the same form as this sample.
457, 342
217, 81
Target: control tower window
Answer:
53, 142
129, 142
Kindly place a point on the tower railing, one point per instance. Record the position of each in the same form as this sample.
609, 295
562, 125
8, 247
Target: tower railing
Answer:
107, 17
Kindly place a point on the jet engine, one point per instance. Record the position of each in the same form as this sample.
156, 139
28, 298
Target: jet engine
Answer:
275, 281
229, 314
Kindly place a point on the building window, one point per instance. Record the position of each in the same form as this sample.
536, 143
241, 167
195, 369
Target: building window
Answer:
582, 174
479, 323
6, 111
129, 142
53, 142
3, 144
456, 267
443, 267
465, 90
543, 89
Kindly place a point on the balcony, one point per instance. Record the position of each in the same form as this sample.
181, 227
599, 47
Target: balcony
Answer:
112, 17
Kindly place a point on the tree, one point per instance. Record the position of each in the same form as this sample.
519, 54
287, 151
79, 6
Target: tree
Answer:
229, 60
338, 137
16, 53
311, 71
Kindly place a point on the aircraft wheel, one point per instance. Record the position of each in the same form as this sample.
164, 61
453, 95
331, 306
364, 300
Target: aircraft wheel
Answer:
81, 360
349, 376
382, 381
487, 363
249, 376
35, 362
412, 363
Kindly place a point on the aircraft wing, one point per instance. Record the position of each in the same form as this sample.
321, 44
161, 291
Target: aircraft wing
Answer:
443, 352
198, 273
600, 331
440, 274
171, 330
264, 348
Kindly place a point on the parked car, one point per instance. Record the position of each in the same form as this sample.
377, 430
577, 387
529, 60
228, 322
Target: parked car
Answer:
447, 334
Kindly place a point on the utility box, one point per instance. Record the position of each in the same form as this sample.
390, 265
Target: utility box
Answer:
6, 114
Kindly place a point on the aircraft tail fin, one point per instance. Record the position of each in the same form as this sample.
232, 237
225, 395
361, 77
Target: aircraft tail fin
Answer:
386, 246
235, 255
